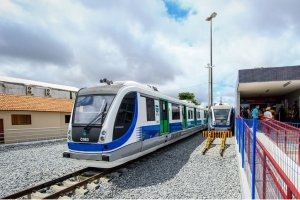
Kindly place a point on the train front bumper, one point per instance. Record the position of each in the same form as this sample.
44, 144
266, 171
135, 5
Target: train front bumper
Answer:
86, 156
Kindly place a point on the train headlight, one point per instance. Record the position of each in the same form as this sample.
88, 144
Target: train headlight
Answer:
69, 135
102, 137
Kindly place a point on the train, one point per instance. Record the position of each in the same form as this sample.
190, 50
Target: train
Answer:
120, 121
222, 117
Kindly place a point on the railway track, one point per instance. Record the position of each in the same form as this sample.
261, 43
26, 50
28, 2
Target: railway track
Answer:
76, 183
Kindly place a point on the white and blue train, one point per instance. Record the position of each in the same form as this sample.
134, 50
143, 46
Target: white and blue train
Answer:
222, 117
119, 122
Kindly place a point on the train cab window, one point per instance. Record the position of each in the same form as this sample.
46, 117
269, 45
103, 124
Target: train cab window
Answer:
125, 115
175, 111
150, 107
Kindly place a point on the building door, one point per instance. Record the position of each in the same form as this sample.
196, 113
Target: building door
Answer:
1, 132
164, 117
184, 117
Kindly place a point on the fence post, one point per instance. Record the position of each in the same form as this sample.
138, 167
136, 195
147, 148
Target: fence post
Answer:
299, 152
243, 142
237, 130
264, 175
253, 156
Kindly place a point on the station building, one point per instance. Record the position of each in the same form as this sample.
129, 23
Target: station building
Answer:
32, 110
273, 87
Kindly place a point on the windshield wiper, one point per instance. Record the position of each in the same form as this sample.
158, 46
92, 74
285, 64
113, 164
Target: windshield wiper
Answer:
88, 126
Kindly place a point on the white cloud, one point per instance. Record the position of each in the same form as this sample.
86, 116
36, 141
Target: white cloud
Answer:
79, 42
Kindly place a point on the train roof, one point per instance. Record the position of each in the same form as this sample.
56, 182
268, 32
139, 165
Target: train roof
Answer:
222, 106
149, 90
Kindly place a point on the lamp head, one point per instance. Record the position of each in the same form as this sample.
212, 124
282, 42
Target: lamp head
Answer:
214, 14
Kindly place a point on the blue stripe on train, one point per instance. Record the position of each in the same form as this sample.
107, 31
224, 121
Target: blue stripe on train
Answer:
175, 127
190, 124
154, 130
150, 131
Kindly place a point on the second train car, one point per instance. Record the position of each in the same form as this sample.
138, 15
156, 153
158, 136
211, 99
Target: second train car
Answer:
119, 122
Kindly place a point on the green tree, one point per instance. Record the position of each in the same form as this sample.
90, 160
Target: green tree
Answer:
188, 96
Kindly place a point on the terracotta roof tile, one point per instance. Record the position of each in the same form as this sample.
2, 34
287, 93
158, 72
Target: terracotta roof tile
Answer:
9, 102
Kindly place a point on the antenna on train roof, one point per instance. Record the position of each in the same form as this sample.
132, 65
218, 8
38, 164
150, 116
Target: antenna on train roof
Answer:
221, 101
105, 80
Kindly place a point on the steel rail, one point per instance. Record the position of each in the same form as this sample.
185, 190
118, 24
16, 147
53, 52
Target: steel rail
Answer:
33, 189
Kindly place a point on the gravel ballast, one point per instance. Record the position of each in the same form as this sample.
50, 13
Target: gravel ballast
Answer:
177, 171
23, 166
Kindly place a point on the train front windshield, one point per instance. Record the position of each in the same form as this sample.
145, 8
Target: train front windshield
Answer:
221, 114
91, 109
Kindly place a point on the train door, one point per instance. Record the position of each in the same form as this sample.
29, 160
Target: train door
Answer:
195, 117
164, 117
1, 132
184, 119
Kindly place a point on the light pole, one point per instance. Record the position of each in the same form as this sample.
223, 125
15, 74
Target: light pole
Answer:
210, 74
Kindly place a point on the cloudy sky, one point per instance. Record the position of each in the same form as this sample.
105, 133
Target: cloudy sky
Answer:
160, 42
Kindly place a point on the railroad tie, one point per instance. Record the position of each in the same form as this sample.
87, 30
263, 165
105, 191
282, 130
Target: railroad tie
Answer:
58, 188
81, 191
38, 195
69, 183
64, 197
93, 186
105, 179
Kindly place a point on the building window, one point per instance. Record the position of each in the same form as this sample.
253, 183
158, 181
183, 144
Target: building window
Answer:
175, 112
67, 119
20, 119
150, 109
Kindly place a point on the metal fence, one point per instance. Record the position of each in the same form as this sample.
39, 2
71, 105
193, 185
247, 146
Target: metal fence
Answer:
271, 172
297, 125
33, 134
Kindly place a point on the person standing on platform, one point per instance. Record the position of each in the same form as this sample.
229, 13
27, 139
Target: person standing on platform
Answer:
255, 112
281, 114
295, 114
267, 113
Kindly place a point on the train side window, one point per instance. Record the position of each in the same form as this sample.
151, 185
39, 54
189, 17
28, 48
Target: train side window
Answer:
125, 115
175, 111
198, 115
190, 114
150, 107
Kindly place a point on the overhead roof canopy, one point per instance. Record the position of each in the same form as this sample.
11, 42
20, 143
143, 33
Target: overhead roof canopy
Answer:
265, 82
265, 89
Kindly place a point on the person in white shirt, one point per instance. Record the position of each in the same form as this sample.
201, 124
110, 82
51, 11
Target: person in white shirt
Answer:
267, 113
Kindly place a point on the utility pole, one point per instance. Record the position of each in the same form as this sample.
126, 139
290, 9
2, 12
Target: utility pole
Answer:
210, 74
